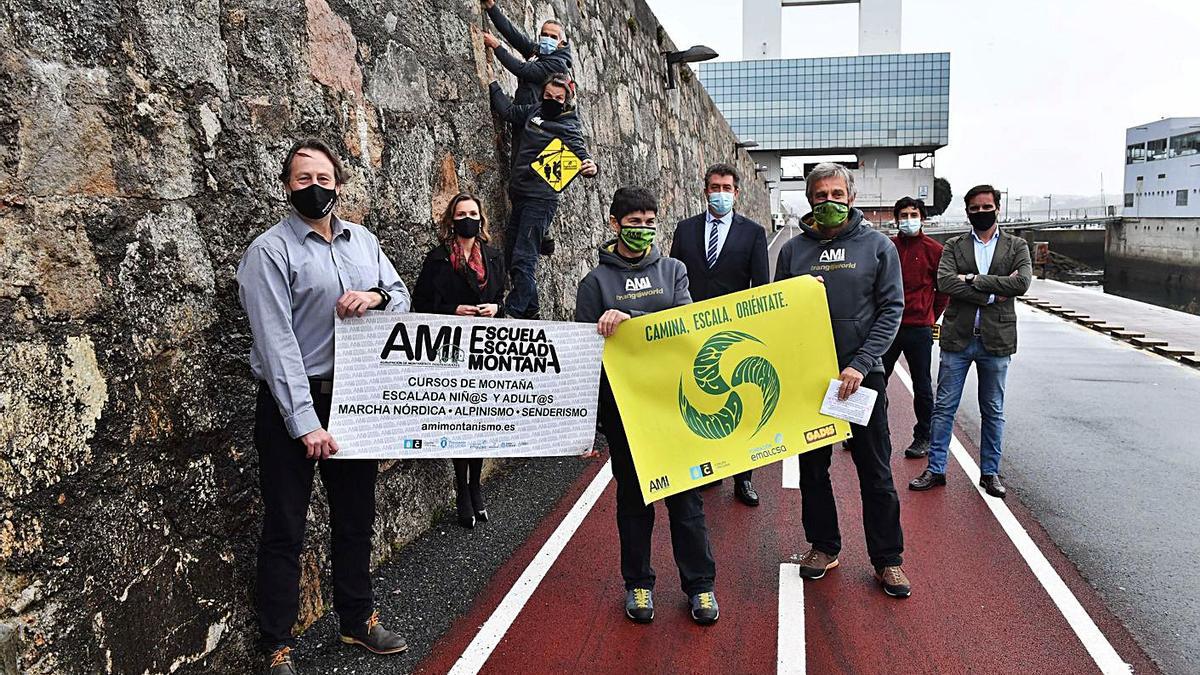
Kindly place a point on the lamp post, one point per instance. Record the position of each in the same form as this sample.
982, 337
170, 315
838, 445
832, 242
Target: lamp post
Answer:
1019, 211
1049, 205
692, 55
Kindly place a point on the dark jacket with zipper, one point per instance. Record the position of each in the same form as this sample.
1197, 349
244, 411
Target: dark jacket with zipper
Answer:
919, 258
440, 289
532, 74
998, 320
862, 284
536, 134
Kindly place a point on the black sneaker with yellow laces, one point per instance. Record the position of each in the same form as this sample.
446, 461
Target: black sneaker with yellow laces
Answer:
373, 637
639, 605
704, 608
279, 662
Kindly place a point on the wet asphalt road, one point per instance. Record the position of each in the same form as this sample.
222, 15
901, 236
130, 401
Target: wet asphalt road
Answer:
1102, 444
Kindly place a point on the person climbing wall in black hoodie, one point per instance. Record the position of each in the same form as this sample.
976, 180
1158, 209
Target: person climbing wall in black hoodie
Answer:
861, 272
632, 261
550, 128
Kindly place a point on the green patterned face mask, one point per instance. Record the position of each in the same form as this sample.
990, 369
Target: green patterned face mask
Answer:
638, 239
830, 214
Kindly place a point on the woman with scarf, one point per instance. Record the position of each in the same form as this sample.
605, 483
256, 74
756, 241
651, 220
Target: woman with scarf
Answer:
463, 275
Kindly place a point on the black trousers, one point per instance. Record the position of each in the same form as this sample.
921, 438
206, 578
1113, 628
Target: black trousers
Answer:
916, 343
635, 524
285, 478
871, 452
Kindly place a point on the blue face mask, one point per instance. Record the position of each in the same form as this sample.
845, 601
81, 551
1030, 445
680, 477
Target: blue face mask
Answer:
909, 226
721, 203
547, 45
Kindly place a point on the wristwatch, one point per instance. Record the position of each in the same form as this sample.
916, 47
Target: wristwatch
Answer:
387, 297
971, 279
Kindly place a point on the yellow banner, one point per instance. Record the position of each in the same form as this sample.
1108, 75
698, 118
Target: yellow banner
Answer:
557, 165
712, 389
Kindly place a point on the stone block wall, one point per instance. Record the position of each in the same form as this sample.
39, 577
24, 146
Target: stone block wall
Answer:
139, 148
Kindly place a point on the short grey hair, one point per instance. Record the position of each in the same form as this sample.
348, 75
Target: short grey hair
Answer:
560, 25
829, 170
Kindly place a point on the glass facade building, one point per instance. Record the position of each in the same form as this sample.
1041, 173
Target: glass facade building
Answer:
840, 104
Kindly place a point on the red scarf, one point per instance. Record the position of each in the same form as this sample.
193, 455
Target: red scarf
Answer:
475, 264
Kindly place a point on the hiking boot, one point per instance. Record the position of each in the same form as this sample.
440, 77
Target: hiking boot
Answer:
639, 605
704, 608
926, 481
893, 581
477, 502
918, 449
279, 662
814, 564
373, 637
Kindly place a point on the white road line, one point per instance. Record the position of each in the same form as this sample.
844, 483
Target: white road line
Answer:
477, 653
1101, 650
791, 473
781, 231
791, 658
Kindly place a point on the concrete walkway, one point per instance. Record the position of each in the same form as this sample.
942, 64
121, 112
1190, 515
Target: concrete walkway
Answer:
1165, 331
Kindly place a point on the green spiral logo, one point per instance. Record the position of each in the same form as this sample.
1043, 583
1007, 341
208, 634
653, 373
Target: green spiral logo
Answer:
706, 370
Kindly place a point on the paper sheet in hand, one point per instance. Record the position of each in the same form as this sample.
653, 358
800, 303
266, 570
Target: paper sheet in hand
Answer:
856, 409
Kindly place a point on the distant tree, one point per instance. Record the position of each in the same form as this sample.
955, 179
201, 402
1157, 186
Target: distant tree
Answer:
942, 194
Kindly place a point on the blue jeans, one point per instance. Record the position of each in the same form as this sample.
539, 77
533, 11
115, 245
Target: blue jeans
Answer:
528, 224
952, 375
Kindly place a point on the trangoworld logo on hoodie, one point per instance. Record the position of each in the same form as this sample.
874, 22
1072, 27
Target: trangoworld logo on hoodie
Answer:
706, 369
833, 259
639, 287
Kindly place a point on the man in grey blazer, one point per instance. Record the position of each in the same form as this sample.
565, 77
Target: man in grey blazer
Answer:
981, 272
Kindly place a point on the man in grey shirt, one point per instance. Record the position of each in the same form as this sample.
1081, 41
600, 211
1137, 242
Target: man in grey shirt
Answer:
291, 281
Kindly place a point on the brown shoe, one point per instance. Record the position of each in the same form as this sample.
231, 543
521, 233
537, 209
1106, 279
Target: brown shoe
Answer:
279, 662
373, 637
893, 581
814, 564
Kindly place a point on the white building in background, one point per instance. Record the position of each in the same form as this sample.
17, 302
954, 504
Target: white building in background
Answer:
1162, 169
878, 106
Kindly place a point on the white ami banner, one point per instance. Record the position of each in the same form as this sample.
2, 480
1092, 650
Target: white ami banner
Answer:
429, 385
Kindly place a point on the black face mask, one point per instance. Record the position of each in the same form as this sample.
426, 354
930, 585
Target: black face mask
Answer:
551, 108
982, 220
467, 228
313, 202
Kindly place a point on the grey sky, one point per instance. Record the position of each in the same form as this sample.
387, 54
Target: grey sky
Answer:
1041, 91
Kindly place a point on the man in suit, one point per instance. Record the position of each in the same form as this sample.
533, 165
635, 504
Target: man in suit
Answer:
981, 272
724, 252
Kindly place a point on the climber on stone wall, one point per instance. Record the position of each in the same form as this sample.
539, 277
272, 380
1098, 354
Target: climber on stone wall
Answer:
548, 56
546, 125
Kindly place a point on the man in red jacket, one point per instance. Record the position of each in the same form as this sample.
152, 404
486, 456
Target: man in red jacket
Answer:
923, 305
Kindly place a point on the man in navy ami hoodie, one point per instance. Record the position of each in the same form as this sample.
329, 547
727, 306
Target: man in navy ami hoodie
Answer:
861, 273
634, 279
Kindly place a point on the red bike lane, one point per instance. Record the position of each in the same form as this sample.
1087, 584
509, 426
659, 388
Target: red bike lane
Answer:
977, 606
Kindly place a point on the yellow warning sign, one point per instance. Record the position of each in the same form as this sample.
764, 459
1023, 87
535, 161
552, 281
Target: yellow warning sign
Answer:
557, 165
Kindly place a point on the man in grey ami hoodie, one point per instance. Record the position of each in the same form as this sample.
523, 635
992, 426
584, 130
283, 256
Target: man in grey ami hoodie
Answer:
633, 279
861, 272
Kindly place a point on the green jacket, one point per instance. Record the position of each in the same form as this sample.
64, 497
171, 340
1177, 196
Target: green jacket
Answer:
997, 321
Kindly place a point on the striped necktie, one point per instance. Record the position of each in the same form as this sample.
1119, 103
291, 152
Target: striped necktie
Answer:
712, 244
